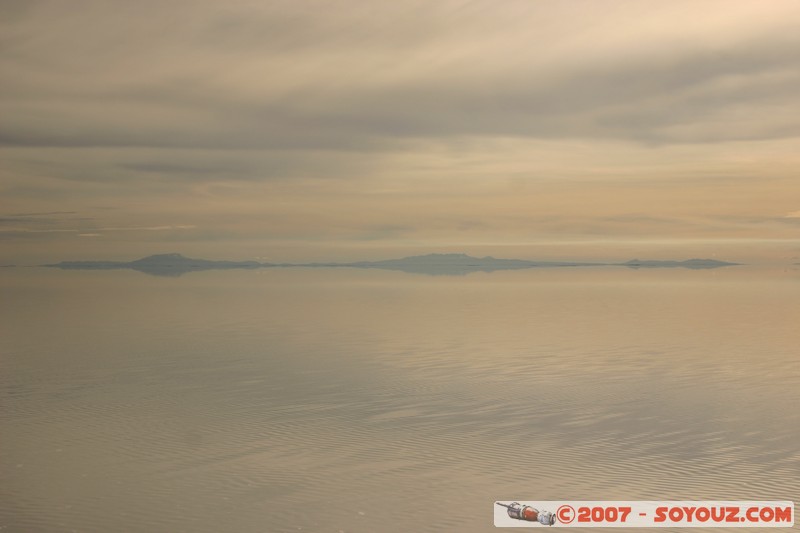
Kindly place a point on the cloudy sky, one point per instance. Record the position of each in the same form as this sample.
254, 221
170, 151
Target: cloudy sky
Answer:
345, 129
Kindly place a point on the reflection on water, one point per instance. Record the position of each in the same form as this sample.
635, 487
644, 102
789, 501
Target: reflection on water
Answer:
365, 400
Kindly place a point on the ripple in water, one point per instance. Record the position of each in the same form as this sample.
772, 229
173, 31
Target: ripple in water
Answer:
378, 401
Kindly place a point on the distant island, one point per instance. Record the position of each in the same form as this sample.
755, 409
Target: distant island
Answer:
690, 263
160, 265
432, 264
459, 264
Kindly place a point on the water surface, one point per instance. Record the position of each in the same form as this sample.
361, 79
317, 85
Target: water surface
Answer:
371, 401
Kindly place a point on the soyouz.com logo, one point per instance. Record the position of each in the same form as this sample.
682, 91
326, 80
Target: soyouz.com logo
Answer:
644, 514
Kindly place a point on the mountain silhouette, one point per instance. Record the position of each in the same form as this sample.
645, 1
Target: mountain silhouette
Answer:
459, 264
690, 263
170, 265
175, 264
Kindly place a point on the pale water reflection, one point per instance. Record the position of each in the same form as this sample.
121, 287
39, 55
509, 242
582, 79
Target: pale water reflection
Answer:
371, 401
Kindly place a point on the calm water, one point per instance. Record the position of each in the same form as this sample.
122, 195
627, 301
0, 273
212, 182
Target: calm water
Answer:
372, 401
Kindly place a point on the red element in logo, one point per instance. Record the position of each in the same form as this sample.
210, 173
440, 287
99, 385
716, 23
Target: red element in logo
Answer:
565, 514
529, 514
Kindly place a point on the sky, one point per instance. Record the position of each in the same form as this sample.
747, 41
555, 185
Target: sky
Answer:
345, 130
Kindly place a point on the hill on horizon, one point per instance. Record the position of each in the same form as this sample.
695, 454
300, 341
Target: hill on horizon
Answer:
176, 264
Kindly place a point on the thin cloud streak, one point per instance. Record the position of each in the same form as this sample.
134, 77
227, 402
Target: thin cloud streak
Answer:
76, 230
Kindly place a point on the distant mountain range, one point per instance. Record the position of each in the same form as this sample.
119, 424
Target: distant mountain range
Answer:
690, 263
454, 264
431, 264
160, 265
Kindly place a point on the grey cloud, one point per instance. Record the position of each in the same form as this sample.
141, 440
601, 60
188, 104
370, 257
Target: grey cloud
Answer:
41, 219
383, 232
246, 166
328, 82
42, 214
155, 167
632, 101
639, 218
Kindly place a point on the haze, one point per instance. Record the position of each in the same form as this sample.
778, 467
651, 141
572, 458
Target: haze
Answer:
311, 130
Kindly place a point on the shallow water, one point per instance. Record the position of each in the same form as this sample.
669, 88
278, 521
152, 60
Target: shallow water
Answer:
371, 401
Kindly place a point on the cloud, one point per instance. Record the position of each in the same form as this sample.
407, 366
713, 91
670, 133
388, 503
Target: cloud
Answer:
417, 121
23, 230
297, 75
42, 214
